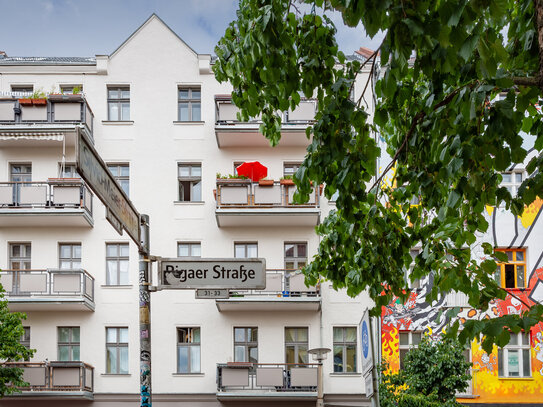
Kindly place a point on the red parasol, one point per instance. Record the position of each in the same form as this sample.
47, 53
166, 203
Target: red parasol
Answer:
253, 170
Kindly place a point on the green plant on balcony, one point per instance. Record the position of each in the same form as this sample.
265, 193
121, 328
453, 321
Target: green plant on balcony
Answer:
230, 176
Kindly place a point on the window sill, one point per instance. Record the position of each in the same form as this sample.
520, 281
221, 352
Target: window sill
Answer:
116, 374
189, 202
118, 122
176, 122
346, 374
467, 396
117, 286
516, 378
188, 374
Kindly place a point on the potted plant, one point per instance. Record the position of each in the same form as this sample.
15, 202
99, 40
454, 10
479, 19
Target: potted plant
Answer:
25, 102
38, 98
287, 180
266, 182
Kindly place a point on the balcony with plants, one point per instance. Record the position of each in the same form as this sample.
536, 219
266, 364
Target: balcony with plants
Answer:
37, 119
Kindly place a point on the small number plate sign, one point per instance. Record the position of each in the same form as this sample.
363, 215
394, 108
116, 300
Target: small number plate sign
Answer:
216, 293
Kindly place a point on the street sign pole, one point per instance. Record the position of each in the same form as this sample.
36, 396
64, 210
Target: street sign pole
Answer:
145, 315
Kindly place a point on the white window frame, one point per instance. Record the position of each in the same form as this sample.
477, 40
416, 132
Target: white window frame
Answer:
247, 344
190, 101
118, 259
116, 347
192, 179
123, 180
191, 246
245, 247
120, 101
297, 344
521, 349
345, 344
73, 260
71, 344
192, 346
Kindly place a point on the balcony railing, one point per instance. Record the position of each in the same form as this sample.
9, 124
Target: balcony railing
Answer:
58, 377
281, 283
456, 299
53, 194
226, 112
246, 194
268, 377
53, 111
48, 283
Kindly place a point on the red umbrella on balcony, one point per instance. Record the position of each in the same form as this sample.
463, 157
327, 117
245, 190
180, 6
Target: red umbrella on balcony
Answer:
253, 170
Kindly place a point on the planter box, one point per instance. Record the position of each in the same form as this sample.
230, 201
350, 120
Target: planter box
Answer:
288, 182
25, 102
39, 102
266, 182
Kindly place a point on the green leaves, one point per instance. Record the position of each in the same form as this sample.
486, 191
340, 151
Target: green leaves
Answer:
447, 132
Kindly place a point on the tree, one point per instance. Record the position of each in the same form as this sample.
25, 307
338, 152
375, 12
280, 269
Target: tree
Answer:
444, 63
11, 331
433, 373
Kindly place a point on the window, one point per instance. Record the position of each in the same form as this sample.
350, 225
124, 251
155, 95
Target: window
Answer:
20, 173
69, 256
345, 350
412, 284
512, 180
19, 256
295, 255
121, 173
117, 350
189, 104
22, 89
188, 350
513, 273
514, 358
71, 89
117, 263
296, 345
290, 168
408, 341
68, 343
118, 103
245, 250
246, 345
185, 249
25, 338
190, 182
68, 171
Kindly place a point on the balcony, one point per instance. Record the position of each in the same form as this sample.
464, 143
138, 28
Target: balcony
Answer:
48, 290
285, 291
253, 381
43, 122
65, 202
56, 380
242, 203
232, 133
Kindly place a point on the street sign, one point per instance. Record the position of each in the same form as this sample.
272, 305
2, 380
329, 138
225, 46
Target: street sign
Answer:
368, 380
245, 274
365, 340
216, 293
95, 173
113, 221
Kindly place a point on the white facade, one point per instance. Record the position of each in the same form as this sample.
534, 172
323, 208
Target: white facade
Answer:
154, 64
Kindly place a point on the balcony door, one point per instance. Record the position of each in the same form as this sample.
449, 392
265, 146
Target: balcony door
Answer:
19, 173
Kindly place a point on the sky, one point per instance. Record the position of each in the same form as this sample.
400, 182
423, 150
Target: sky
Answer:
83, 28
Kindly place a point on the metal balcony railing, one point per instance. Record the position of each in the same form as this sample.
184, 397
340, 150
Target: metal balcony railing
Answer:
53, 194
281, 283
49, 283
246, 194
226, 113
52, 110
274, 377
55, 376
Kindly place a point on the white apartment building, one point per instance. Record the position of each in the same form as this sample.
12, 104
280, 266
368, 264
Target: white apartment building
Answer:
165, 127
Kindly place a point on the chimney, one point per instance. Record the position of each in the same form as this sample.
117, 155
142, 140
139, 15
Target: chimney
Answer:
3, 54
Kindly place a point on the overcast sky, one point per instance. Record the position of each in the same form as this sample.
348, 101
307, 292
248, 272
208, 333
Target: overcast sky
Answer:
90, 27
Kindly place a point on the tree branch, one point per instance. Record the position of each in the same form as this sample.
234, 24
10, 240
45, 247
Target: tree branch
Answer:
525, 81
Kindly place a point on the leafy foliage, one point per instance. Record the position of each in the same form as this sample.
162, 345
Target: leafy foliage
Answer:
11, 331
433, 373
448, 135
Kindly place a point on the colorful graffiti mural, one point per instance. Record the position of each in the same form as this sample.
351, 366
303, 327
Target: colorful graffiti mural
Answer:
487, 385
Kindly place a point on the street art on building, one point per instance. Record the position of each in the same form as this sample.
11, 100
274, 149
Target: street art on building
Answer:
514, 374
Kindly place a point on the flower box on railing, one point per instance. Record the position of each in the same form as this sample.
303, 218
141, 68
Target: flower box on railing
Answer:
266, 182
25, 102
39, 102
